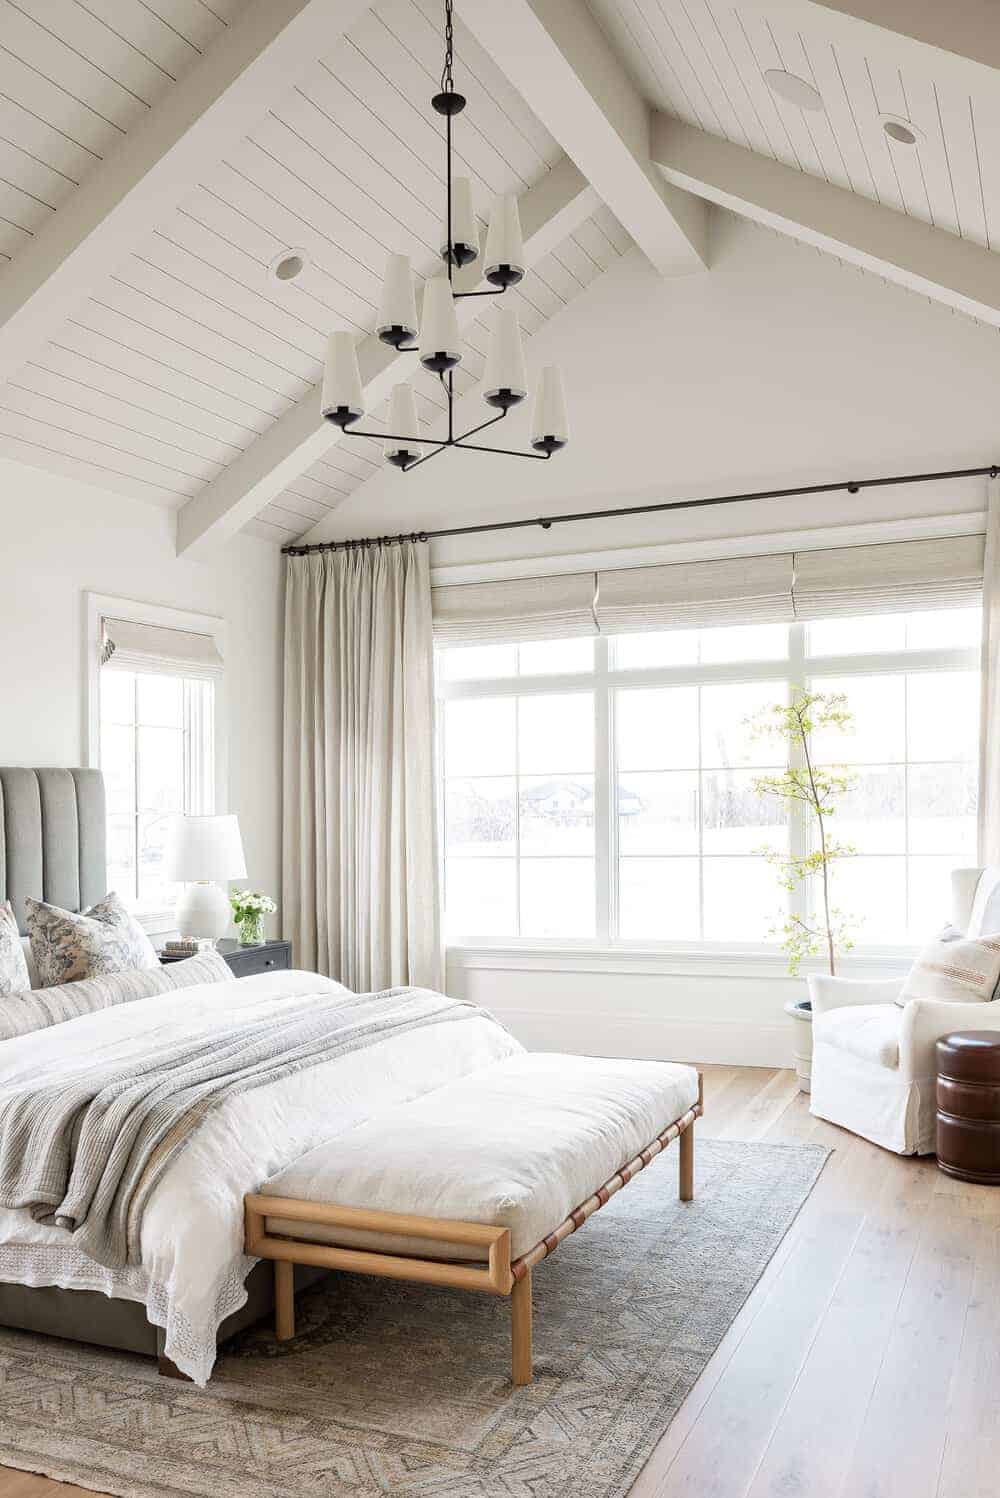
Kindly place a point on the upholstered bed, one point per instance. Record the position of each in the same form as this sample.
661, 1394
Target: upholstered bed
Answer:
135, 1136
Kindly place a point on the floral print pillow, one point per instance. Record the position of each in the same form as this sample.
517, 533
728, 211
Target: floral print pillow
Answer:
104, 939
13, 966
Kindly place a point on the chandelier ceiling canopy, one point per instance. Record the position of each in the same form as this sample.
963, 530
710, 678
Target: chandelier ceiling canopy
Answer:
435, 338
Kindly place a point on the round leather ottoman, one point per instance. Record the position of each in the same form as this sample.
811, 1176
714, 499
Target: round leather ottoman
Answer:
968, 1106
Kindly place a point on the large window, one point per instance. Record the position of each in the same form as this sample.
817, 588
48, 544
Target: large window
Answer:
602, 790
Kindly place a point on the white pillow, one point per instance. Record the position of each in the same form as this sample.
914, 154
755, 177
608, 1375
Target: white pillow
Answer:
32, 969
13, 967
963, 970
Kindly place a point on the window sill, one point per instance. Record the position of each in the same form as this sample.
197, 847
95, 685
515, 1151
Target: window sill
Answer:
748, 961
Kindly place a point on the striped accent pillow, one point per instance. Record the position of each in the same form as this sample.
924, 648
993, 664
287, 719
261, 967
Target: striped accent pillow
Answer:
963, 971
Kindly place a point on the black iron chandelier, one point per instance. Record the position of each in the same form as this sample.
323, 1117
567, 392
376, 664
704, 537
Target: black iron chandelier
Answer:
436, 339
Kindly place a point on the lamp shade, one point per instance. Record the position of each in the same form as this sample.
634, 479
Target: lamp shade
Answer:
440, 344
464, 229
403, 423
397, 313
549, 426
505, 381
342, 401
504, 243
205, 849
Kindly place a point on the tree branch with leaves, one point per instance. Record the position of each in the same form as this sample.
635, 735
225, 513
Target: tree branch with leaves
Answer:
810, 791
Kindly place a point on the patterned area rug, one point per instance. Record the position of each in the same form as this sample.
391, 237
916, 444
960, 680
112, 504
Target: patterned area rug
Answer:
404, 1389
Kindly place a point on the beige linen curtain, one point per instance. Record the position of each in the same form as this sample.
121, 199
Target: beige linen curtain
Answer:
360, 863
989, 718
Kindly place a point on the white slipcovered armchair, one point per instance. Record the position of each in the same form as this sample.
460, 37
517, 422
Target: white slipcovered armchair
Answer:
873, 1068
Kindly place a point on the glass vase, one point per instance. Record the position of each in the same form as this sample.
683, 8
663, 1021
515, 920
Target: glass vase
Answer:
251, 929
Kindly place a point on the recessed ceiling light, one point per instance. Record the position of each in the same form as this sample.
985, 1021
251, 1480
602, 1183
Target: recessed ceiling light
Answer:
792, 88
904, 132
288, 266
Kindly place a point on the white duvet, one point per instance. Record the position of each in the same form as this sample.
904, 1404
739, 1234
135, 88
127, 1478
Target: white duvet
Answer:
193, 1267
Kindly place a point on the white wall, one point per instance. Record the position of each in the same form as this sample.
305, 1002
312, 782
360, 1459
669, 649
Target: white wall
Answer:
780, 367
60, 539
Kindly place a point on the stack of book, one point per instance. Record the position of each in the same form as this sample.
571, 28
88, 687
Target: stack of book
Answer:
187, 946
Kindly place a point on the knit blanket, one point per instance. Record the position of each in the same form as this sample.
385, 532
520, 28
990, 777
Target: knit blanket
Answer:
84, 1143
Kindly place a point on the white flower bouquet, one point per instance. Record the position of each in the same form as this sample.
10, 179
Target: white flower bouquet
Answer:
249, 909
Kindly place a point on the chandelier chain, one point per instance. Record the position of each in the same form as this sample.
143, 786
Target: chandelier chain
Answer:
447, 79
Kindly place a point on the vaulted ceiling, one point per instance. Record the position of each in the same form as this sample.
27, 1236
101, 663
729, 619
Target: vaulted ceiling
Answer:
156, 156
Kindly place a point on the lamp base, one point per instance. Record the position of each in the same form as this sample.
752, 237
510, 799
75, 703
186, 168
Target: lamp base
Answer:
203, 910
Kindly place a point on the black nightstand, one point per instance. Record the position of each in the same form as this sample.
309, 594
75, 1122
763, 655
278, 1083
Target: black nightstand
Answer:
271, 956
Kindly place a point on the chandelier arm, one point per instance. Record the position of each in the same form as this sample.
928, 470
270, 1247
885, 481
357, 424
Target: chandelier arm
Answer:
427, 456
351, 431
493, 291
505, 452
489, 422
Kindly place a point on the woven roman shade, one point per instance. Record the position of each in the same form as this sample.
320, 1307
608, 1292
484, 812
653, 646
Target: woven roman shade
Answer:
526, 608
694, 595
131, 646
897, 577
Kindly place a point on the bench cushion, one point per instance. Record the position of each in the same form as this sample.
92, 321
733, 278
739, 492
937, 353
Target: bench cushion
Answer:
518, 1144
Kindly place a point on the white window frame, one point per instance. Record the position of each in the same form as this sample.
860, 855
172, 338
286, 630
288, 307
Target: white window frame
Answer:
607, 953
101, 606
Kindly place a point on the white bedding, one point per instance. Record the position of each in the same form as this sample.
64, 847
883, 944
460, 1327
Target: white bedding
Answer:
193, 1266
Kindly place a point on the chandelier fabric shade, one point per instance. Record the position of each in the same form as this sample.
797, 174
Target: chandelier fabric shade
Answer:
435, 337
397, 313
342, 399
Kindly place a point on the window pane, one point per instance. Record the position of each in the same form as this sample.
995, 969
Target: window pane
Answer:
726, 735
869, 817
745, 642
863, 636
657, 728
943, 809
658, 899
161, 701
161, 770
944, 629
658, 813
481, 898
121, 855
479, 737
477, 662
557, 897
480, 818
675, 647
543, 657
556, 734
557, 815
117, 696
871, 892
737, 819
930, 895
154, 830
943, 715
743, 899
877, 734
118, 766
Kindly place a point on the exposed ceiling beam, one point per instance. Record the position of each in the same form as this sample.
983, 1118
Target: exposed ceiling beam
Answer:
557, 57
550, 211
950, 270
159, 161
944, 37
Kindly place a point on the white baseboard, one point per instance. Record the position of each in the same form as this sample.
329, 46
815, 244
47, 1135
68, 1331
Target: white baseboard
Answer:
721, 1042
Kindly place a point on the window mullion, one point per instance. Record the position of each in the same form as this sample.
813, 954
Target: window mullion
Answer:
799, 831
605, 820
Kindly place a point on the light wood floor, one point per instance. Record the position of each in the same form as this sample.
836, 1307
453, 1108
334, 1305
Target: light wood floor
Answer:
866, 1363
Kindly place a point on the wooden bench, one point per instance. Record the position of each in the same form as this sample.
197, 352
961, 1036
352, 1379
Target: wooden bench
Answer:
301, 1216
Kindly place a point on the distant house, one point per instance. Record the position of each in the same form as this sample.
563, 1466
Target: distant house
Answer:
570, 801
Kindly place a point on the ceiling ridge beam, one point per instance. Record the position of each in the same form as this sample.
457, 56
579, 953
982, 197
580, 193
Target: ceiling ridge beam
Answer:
906, 251
160, 160
550, 211
556, 56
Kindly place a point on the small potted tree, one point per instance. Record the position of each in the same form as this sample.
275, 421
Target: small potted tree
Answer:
809, 791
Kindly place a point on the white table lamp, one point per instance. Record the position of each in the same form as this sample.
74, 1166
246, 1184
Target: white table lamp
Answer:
202, 854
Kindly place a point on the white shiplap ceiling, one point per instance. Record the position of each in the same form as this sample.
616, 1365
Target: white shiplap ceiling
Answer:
186, 353
703, 61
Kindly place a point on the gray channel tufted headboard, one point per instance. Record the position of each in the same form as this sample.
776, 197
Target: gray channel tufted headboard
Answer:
52, 838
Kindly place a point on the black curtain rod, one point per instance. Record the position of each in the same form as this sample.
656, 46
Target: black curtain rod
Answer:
851, 486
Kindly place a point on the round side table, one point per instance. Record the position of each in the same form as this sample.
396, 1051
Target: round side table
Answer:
968, 1106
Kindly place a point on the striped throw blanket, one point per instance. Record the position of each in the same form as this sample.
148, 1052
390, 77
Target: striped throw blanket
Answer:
83, 1147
